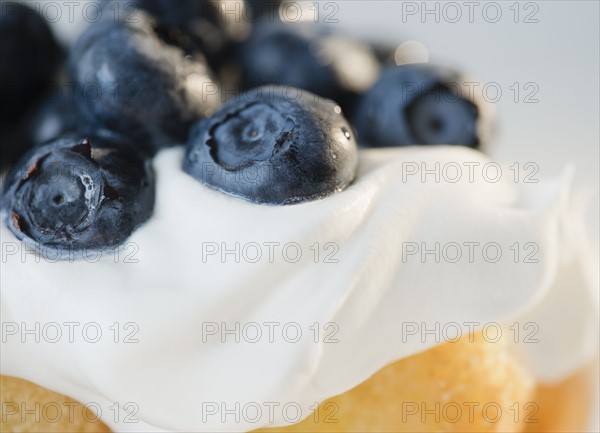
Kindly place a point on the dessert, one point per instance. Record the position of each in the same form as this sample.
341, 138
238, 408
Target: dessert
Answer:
340, 289
370, 293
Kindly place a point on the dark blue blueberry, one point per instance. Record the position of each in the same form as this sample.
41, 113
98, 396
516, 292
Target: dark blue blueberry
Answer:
440, 116
129, 80
267, 147
334, 67
78, 194
419, 104
208, 26
29, 61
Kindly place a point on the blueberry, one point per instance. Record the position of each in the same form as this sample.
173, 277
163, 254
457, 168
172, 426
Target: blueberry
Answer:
334, 67
29, 61
129, 80
441, 117
266, 147
78, 194
419, 104
208, 26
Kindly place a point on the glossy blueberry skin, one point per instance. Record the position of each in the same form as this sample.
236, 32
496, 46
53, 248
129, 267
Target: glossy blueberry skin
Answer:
269, 148
78, 195
129, 80
334, 67
419, 104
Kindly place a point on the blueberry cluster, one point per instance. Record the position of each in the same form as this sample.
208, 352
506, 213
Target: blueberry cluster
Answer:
257, 99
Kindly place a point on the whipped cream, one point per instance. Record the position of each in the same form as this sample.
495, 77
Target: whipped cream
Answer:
218, 305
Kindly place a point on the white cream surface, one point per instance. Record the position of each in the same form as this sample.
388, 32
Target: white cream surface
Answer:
199, 333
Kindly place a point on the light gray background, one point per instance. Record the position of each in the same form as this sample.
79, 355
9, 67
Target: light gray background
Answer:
560, 53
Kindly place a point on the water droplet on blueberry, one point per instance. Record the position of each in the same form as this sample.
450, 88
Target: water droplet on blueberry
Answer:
346, 133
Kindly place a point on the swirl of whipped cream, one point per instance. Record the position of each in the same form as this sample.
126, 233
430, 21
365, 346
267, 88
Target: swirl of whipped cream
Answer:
216, 301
